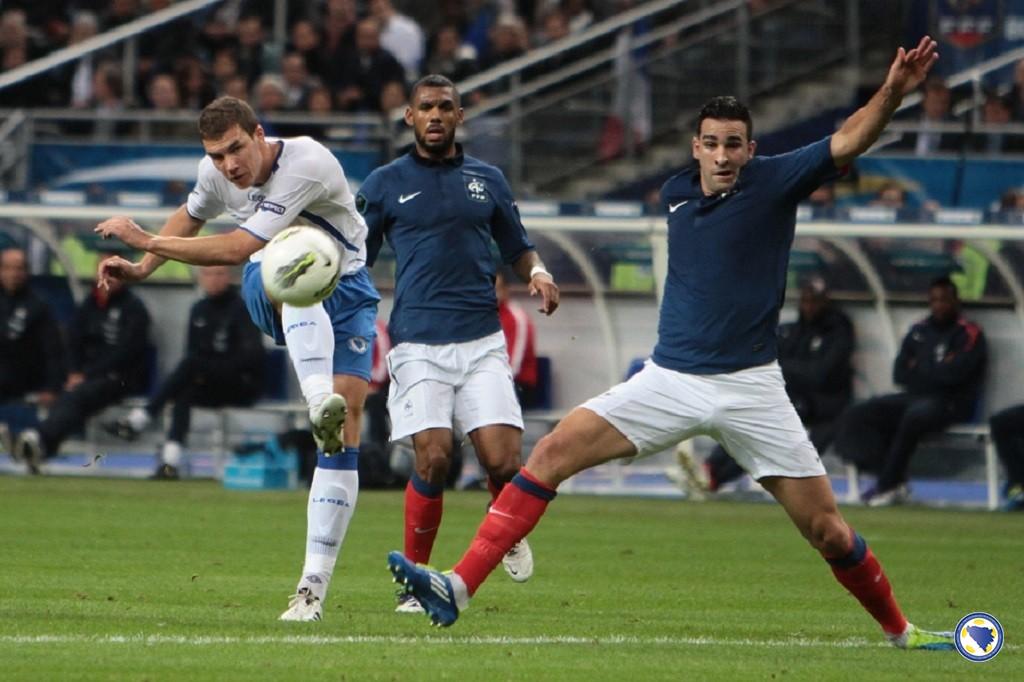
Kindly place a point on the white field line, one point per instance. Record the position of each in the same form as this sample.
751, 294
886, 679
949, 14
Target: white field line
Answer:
305, 640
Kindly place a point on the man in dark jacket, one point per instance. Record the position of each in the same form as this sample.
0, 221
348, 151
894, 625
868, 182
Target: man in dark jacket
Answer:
107, 348
814, 353
942, 365
223, 365
31, 351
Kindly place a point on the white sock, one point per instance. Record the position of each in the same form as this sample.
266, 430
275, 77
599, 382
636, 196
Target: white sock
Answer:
138, 418
332, 501
171, 454
310, 339
460, 590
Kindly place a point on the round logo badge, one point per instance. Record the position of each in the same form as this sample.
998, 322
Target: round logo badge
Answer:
357, 344
978, 637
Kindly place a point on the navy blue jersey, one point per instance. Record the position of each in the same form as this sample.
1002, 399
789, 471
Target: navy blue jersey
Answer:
439, 218
727, 261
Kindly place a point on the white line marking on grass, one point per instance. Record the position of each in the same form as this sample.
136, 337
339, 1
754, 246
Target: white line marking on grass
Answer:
471, 640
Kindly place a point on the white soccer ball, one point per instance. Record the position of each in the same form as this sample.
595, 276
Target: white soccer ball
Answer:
301, 266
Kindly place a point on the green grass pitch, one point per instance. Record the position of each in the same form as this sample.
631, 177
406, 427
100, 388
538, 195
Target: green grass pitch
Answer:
134, 580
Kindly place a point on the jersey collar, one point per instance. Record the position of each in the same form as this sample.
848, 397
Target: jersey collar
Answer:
453, 161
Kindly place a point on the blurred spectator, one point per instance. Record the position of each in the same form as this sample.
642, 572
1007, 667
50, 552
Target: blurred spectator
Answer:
305, 41
823, 200
578, 13
268, 99
223, 366
107, 349
996, 111
1016, 96
120, 12
449, 58
163, 96
107, 101
941, 364
16, 50
509, 39
1012, 200
630, 120
339, 38
890, 195
237, 86
256, 54
84, 25
554, 26
815, 355
393, 97
193, 82
936, 108
520, 342
224, 68
296, 80
367, 71
31, 352
399, 35
1007, 429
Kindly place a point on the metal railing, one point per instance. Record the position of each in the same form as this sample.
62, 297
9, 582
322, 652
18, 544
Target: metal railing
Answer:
552, 113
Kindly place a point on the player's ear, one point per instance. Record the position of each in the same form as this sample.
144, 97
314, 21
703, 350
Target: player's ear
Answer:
259, 134
694, 146
751, 147
460, 116
408, 116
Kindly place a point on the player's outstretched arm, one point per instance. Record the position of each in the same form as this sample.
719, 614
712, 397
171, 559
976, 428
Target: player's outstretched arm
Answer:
231, 248
531, 269
862, 129
180, 224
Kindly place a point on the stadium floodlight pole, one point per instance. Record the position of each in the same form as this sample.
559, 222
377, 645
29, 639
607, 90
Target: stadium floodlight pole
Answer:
101, 41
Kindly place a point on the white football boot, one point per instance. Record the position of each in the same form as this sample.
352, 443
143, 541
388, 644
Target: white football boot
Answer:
304, 606
518, 562
328, 419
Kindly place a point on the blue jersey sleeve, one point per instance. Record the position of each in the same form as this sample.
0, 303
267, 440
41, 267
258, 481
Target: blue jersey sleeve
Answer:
370, 204
506, 226
803, 170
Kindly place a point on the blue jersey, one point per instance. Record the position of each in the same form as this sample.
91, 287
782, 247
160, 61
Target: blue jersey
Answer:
727, 261
439, 218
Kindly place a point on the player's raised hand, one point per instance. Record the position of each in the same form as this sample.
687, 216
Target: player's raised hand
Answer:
911, 67
543, 284
127, 230
116, 267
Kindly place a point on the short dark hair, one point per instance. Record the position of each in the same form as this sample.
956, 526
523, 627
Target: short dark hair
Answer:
726, 108
944, 282
222, 113
434, 80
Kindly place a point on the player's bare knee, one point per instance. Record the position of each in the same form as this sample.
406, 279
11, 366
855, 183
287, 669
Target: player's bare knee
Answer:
504, 471
829, 534
549, 461
432, 464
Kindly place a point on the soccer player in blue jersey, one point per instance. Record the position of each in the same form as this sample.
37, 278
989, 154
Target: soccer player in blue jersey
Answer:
440, 210
267, 184
731, 223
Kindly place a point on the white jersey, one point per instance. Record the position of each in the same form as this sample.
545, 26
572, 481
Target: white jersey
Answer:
307, 186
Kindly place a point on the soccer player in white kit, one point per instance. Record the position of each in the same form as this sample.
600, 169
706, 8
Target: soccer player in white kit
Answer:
268, 184
731, 222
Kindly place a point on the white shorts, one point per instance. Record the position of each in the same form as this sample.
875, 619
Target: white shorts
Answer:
748, 412
457, 386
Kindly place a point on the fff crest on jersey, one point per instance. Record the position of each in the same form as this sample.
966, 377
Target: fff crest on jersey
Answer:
476, 189
978, 637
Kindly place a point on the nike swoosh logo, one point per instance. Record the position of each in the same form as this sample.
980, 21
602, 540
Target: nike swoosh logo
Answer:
421, 531
672, 207
409, 197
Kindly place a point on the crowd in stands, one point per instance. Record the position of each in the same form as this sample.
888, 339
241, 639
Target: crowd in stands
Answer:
340, 55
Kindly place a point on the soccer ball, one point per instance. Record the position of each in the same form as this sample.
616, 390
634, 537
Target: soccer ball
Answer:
300, 266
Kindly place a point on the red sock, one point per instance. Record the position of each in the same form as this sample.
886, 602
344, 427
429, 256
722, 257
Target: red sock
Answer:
424, 504
510, 519
861, 574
